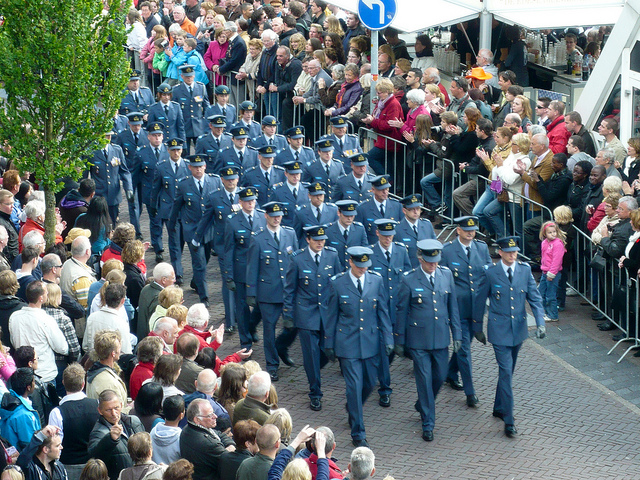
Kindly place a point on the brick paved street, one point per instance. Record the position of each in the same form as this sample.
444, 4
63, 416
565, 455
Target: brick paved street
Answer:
576, 409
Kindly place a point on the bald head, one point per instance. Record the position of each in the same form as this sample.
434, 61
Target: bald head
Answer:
206, 382
81, 248
268, 439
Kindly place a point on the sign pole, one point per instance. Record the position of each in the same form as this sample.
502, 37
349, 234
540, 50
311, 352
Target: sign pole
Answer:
374, 67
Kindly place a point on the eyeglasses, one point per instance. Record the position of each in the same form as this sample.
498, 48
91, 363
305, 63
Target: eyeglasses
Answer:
57, 266
12, 467
211, 415
539, 106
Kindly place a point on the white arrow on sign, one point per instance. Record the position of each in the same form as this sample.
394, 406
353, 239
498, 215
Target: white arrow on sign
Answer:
371, 3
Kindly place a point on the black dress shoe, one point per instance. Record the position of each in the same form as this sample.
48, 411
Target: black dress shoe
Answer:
637, 354
385, 401
286, 359
255, 338
472, 400
617, 338
159, 257
455, 384
510, 431
193, 286
230, 330
597, 316
315, 404
360, 443
139, 237
416, 406
179, 281
274, 376
427, 436
206, 303
498, 414
606, 326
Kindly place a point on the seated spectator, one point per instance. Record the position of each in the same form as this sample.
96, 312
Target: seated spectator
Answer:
102, 374
98, 222
148, 352
74, 417
253, 406
166, 373
244, 434
201, 444
205, 386
148, 404
349, 93
232, 388
76, 202
30, 258
132, 256
109, 317
281, 419
41, 458
141, 451
111, 433
575, 148
172, 295
258, 466
18, 419
165, 437
76, 276
163, 276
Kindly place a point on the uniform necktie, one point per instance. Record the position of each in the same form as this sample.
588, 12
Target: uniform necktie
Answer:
345, 234
166, 111
359, 286
106, 153
191, 91
318, 214
275, 238
431, 281
382, 210
317, 259
295, 193
157, 153
340, 144
388, 256
297, 156
200, 187
326, 167
359, 184
271, 141
135, 98
224, 111
510, 274
240, 157
218, 142
135, 137
468, 252
415, 230
250, 218
231, 198
266, 175
175, 167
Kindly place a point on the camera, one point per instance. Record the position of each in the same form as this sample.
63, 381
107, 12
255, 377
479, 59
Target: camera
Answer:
610, 228
165, 43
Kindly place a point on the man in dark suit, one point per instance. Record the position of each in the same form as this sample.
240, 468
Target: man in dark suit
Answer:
306, 286
427, 311
234, 58
507, 285
291, 193
194, 102
163, 194
168, 113
355, 185
346, 232
188, 207
326, 169
212, 143
356, 316
466, 258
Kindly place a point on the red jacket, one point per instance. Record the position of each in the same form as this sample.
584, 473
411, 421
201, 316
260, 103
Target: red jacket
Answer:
391, 111
30, 225
558, 135
141, 372
334, 471
202, 337
114, 251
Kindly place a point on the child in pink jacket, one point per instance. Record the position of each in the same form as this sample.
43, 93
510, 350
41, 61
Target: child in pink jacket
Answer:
553, 251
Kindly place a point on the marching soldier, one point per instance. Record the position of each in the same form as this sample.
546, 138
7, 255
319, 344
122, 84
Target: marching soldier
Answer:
238, 153
193, 100
412, 228
296, 151
427, 311
269, 136
355, 185
167, 112
237, 238
137, 99
357, 316
379, 206
163, 194
346, 232
213, 142
223, 107
306, 287
390, 259
326, 169
316, 212
267, 262
247, 111
291, 194
265, 175
466, 258
507, 285
345, 144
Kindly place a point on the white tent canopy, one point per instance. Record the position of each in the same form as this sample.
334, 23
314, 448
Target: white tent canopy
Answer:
418, 15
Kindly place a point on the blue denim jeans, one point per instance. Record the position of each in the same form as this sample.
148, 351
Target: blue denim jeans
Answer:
549, 290
490, 212
431, 195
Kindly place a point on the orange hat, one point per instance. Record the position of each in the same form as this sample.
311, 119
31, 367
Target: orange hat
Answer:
479, 74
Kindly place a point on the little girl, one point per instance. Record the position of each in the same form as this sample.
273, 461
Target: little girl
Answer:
551, 264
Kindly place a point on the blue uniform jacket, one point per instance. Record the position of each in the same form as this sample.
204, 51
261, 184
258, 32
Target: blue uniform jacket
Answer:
466, 272
228, 157
347, 189
230, 113
237, 237
148, 165
120, 122
391, 272
507, 319
283, 194
254, 177
260, 141
126, 142
349, 144
368, 213
217, 209
207, 144
165, 186
306, 156
267, 264
305, 216
356, 322
357, 237
173, 123
424, 314
107, 172
145, 100
188, 206
253, 128
193, 108
316, 172
406, 234
306, 286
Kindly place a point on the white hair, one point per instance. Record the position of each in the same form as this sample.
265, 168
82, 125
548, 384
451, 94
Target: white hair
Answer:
37, 195
79, 246
161, 270
32, 238
4, 235
270, 34
178, 8
542, 139
34, 209
416, 95
230, 26
175, 28
362, 463
198, 316
259, 385
164, 324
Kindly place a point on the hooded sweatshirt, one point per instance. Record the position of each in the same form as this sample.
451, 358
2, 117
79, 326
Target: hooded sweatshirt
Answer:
18, 420
166, 443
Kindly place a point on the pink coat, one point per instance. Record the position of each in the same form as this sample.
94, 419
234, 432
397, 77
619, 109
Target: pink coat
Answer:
552, 254
212, 57
147, 53
410, 122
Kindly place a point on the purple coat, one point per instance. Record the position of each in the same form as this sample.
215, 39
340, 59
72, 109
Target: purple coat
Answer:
352, 93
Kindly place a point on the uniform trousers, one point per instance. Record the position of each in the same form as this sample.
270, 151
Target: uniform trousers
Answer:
311, 343
430, 368
229, 311
135, 208
199, 257
506, 356
244, 316
461, 361
384, 376
155, 231
114, 211
270, 314
360, 379
176, 244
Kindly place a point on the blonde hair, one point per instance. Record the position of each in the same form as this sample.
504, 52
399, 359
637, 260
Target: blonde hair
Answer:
114, 276
334, 26
563, 215
169, 296
522, 140
433, 89
297, 469
179, 314
54, 295
543, 231
281, 419
113, 264
384, 85
251, 367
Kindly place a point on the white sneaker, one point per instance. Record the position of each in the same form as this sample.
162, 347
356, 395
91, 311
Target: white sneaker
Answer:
571, 292
547, 319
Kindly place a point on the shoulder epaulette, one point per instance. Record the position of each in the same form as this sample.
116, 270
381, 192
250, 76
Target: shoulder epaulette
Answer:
331, 249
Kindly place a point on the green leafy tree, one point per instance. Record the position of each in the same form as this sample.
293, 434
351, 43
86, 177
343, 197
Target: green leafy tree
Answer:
64, 69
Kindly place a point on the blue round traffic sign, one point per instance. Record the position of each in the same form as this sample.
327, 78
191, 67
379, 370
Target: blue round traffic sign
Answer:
377, 14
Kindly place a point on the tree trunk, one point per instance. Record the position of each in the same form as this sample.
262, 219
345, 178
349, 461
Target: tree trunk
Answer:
50, 217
